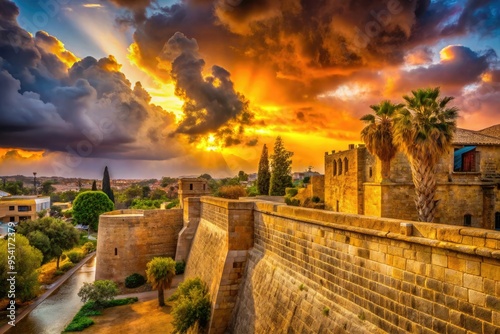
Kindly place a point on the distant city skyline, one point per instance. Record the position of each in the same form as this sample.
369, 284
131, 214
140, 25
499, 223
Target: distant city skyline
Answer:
170, 88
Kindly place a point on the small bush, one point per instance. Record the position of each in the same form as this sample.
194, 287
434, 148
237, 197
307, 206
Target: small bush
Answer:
192, 306
75, 256
302, 287
290, 192
58, 272
88, 247
326, 311
292, 201
98, 292
180, 266
78, 324
232, 192
135, 280
306, 180
316, 199
63, 257
67, 266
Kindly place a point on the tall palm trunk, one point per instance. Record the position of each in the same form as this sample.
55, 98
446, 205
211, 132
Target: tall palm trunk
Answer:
386, 170
161, 298
424, 179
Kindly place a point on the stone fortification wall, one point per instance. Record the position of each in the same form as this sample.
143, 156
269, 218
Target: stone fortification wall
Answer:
219, 253
314, 271
128, 239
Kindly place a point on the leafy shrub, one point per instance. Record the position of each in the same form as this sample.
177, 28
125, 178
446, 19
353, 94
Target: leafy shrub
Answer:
292, 201
75, 256
58, 272
180, 266
252, 191
316, 199
135, 280
173, 204
98, 292
232, 192
290, 192
192, 306
68, 213
63, 257
307, 179
79, 323
88, 247
67, 266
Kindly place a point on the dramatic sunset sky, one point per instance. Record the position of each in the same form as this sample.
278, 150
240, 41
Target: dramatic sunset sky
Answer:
169, 88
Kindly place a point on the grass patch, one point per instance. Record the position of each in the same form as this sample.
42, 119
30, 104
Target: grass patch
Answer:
81, 320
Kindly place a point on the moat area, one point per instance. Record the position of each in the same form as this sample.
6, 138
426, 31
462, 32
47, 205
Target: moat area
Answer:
54, 313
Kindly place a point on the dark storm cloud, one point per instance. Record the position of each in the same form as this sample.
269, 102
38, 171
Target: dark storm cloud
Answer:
89, 107
137, 7
460, 67
211, 103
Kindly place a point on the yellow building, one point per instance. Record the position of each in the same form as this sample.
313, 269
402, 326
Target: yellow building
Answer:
19, 208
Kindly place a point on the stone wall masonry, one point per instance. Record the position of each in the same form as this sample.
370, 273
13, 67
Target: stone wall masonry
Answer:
128, 239
398, 276
219, 254
191, 219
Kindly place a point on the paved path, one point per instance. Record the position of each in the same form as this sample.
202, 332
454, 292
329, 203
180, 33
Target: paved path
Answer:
21, 313
150, 295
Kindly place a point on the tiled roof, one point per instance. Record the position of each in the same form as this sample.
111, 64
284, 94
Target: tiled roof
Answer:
493, 131
470, 137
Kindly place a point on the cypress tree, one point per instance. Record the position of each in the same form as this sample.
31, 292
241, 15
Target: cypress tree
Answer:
94, 186
106, 185
263, 176
281, 169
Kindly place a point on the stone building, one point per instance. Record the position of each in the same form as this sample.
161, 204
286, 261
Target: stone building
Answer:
192, 187
468, 179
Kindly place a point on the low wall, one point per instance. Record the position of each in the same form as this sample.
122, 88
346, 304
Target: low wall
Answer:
314, 271
128, 239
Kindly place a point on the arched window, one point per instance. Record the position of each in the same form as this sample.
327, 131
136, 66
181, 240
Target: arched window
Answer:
334, 167
497, 220
346, 165
340, 166
467, 220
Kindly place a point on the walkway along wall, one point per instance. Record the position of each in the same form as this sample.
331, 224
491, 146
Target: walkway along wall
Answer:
313, 271
128, 239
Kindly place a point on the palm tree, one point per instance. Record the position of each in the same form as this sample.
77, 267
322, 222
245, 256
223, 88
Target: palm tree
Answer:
424, 130
377, 135
160, 272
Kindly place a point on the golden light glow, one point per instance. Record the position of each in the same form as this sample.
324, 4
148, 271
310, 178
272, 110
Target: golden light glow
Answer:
446, 53
92, 5
4, 152
58, 49
210, 144
487, 77
347, 92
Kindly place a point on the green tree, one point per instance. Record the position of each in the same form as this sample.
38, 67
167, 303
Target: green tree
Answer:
106, 185
47, 188
89, 205
14, 188
424, 130
160, 273
61, 235
146, 191
165, 181
28, 260
98, 292
378, 134
205, 176
242, 176
281, 169
192, 306
263, 175
158, 194
94, 186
